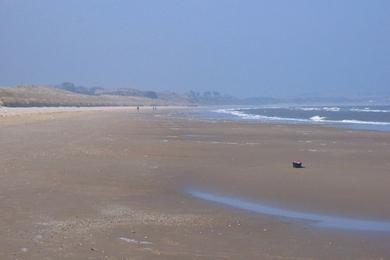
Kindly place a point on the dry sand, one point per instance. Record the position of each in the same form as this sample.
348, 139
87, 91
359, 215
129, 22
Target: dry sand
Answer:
109, 184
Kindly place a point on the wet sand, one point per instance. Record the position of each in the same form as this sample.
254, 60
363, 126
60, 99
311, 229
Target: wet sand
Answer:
111, 184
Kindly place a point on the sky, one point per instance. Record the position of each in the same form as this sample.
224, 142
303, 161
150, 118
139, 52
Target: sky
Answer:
239, 47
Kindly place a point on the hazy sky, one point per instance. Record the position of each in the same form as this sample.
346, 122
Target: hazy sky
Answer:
245, 48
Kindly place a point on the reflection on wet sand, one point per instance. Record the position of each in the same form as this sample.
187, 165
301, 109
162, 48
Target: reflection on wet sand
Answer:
318, 220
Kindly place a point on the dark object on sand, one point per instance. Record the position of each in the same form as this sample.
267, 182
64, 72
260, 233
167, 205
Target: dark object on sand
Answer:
297, 164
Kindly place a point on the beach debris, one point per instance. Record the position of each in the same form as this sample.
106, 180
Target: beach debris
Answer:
297, 164
134, 241
128, 240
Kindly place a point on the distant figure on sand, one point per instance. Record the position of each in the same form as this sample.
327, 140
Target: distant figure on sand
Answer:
137, 108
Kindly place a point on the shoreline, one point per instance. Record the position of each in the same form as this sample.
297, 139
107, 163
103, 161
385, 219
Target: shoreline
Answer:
41, 113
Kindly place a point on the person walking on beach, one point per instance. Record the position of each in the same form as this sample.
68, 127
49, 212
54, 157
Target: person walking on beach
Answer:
137, 108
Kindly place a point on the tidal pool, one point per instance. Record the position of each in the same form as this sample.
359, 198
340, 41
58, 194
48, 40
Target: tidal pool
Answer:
315, 219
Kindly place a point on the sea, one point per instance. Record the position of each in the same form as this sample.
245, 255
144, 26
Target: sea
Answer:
368, 117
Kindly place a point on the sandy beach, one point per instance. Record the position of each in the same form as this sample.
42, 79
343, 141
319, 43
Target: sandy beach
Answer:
112, 183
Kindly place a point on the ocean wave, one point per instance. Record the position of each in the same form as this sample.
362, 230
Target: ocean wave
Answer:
317, 118
337, 109
328, 109
238, 113
244, 115
363, 122
314, 119
369, 110
308, 108
331, 109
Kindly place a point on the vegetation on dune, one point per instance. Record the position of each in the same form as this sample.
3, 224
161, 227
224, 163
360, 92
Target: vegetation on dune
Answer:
27, 96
